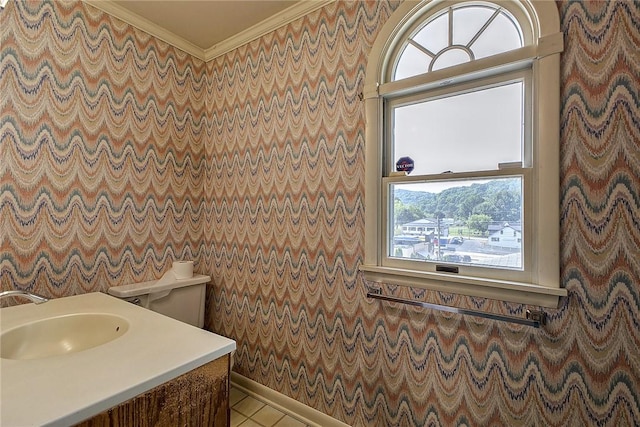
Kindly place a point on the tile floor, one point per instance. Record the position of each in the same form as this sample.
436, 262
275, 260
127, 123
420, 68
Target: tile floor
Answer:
247, 411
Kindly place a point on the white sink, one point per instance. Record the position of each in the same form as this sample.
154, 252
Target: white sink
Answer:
80, 355
56, 336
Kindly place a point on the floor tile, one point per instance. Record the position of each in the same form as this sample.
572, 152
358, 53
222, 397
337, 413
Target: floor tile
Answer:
267, 416
237, 418
289, 421
250, 423
235, 396
248, 406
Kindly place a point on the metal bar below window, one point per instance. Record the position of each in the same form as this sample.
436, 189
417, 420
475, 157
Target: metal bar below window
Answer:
535, 319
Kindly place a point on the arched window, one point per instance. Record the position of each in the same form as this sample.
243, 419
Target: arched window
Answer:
462, 110
456, 35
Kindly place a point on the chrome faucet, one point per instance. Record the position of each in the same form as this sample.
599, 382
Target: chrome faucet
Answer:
28, 295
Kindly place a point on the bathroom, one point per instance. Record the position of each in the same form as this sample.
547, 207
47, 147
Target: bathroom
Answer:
120, 153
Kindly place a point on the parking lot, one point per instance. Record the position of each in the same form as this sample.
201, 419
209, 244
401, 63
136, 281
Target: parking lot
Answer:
475, 251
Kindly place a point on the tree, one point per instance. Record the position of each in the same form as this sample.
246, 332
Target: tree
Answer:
404, 214
479, 222
507, 204
501, 206
501, 199
467, 204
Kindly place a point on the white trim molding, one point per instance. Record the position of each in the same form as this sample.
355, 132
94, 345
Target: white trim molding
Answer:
296, 11
147, 26
285, 404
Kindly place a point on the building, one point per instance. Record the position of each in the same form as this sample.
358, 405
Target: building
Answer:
505, 236
428, 227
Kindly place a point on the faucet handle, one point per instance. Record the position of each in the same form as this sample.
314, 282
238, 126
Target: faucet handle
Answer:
35, 298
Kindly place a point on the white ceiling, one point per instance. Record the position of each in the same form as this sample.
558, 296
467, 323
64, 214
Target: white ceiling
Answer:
207, 28
205, 23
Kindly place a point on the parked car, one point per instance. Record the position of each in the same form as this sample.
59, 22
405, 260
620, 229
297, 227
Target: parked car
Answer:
456, 241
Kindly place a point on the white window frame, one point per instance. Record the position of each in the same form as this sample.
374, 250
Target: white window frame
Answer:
520, 275
543, 42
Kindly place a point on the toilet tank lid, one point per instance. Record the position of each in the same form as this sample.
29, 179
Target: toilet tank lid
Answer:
137, 289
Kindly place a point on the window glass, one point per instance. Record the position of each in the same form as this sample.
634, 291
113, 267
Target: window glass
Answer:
457, 36
449, 58
501, 36
467, 22
412, 62
476, 222
472, 131
435, 35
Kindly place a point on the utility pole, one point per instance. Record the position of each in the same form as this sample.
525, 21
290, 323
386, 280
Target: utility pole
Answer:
438, 237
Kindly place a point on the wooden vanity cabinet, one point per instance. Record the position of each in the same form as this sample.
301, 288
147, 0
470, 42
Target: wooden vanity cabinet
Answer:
198, 398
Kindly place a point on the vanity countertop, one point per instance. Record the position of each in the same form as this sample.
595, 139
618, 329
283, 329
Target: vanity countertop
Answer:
66, 389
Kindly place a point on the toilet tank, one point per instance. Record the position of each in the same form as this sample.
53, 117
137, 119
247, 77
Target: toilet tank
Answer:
182, 300
184, 304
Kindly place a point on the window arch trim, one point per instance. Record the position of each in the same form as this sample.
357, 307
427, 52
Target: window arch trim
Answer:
543, 32
410, 32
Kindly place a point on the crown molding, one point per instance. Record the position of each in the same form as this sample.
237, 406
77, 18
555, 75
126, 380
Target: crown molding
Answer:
147, 26
290, 14
278, 20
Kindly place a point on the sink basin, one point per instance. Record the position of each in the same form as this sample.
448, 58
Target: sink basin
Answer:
78, 372
61, 335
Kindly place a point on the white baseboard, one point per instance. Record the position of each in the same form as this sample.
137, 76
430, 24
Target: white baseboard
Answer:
283, 403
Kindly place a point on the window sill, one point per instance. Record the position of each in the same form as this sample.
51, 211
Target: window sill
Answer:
522, 293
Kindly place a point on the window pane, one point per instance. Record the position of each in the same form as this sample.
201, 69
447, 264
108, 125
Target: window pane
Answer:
467, 30
412, 62
461, 133
450, 58
476, 222
467, 21
501, 36
435, 35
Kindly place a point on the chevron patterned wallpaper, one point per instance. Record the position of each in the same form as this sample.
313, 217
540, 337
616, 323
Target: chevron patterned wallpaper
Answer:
120, 153
102, 150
